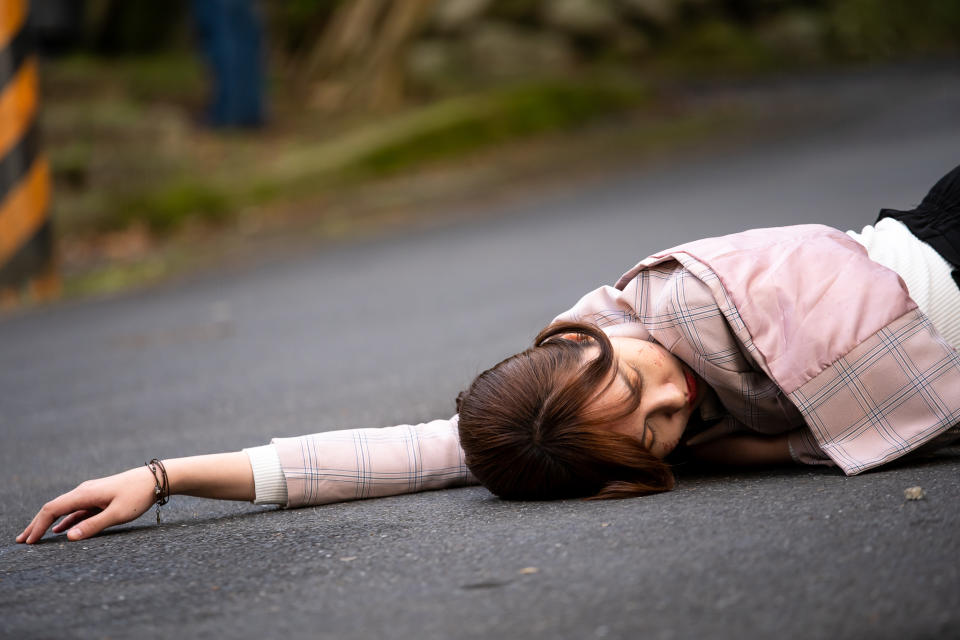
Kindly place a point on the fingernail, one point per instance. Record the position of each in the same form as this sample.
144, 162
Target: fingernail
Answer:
75, 532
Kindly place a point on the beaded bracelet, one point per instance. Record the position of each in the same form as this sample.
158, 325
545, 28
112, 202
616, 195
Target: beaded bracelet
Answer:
161, 492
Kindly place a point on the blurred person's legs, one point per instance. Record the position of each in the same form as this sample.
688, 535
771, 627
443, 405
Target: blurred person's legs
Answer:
230, 37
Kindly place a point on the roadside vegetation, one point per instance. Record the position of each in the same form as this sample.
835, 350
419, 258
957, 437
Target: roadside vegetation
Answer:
364, 93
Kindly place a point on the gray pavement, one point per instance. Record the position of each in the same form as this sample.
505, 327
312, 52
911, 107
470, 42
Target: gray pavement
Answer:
387, 331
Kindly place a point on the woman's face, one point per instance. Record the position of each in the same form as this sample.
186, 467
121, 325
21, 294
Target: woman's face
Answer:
669, 393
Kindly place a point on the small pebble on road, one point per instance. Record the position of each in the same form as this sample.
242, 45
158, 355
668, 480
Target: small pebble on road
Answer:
914, 493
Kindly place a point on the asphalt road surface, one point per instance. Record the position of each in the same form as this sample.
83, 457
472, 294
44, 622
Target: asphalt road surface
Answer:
388, 330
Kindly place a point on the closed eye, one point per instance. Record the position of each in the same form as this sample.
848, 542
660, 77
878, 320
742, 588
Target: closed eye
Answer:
647, 428
635, 385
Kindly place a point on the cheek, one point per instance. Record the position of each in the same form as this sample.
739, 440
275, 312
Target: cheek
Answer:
653, 356
669, 440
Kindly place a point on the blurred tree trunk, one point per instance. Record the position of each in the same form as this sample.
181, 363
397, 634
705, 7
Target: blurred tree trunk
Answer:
347, 36
358, 62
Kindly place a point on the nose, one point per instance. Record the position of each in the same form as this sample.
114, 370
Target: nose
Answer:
668, 396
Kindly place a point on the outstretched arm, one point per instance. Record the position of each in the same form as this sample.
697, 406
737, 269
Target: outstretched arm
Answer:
97, 504
317, 469
367, 463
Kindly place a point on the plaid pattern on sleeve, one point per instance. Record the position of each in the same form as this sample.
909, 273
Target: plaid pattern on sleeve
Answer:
366, 463
894, 391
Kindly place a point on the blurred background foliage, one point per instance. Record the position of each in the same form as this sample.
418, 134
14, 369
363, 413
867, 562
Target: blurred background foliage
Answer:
362, 90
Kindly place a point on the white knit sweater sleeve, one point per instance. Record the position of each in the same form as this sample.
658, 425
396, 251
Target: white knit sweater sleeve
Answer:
268, 480
924, 271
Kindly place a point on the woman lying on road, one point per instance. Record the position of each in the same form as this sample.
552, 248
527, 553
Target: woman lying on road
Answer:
788, 345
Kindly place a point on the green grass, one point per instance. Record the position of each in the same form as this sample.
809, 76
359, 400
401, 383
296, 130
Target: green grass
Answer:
164, 195
113, 278
493, 119
717, 46
887, 29
165, 77
443, 131
166, 208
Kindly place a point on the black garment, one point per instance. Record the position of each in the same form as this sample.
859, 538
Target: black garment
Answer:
936, 220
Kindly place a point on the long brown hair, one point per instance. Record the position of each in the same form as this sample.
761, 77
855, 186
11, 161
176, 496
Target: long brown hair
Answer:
530, 431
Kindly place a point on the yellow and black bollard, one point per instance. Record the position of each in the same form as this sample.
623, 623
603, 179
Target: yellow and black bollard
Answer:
28, 268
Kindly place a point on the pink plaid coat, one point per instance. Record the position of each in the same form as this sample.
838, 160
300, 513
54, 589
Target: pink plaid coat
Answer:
794, 328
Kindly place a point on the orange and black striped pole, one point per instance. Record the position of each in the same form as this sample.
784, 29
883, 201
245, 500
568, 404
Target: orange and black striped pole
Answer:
27, 261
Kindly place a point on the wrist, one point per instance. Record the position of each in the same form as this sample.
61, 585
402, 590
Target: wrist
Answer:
225, 476
161, 489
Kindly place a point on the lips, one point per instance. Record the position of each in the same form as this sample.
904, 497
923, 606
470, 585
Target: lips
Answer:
691, 386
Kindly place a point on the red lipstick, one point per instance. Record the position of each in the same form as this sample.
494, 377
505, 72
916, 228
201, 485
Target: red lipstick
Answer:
691, 386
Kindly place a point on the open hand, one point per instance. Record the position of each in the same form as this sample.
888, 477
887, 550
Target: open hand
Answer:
95, 505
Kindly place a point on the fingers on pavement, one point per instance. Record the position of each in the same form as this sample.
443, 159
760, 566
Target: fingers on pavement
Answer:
68, 503
73, 518
93, 525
